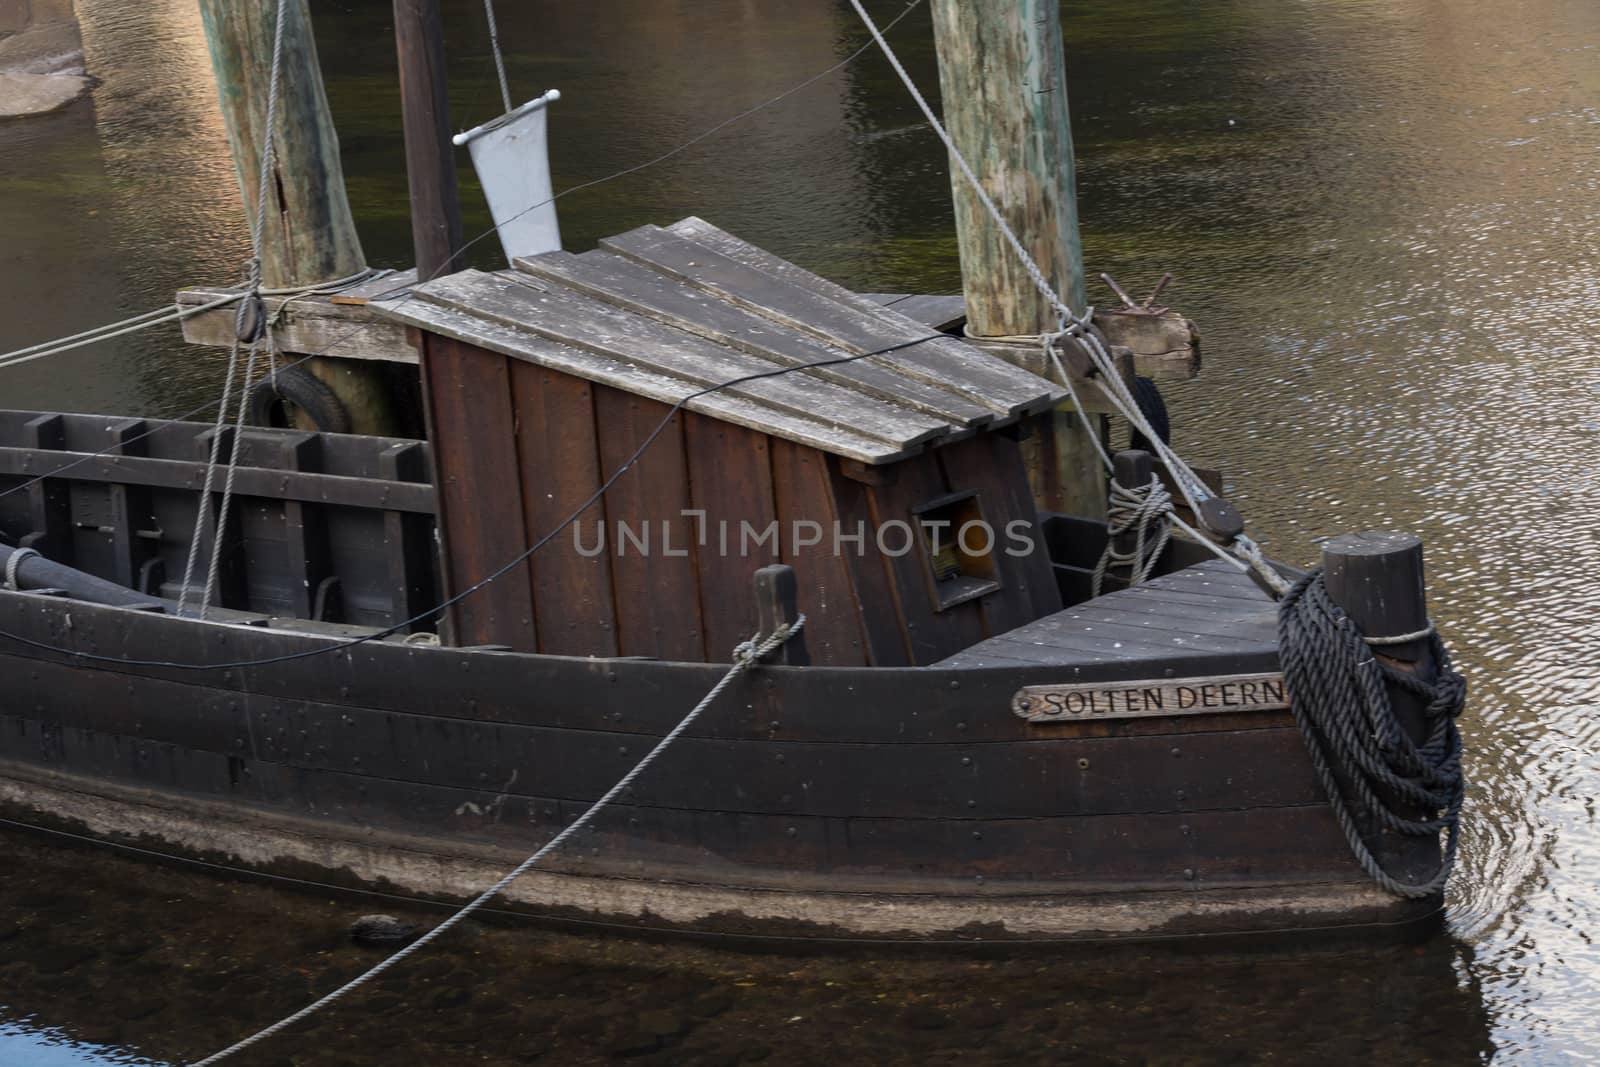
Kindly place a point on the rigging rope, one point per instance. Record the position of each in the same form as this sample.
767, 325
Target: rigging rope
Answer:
249, 325
499, 60
1079, 327
745, 656
1364, 758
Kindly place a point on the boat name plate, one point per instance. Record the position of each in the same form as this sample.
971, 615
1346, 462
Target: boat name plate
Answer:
1145, 699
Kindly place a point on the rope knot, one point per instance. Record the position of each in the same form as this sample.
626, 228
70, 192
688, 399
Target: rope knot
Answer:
747, 654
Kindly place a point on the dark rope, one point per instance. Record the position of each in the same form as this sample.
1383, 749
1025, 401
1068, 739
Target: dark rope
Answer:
1339, 693
1154, 410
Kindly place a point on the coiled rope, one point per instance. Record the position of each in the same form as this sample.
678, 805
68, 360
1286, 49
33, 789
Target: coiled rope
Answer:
1137, 508
745, 656
1364, 758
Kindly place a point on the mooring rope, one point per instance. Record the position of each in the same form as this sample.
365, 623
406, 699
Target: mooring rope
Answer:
1137, 508
745, 656
1364, 758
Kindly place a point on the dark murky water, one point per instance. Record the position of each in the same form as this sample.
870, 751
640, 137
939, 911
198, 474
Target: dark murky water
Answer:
1384, 215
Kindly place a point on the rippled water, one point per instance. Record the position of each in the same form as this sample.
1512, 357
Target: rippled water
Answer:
1385, 217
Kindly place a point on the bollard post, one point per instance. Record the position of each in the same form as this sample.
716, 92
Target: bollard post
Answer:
777, 596
1132, 469
1376, 578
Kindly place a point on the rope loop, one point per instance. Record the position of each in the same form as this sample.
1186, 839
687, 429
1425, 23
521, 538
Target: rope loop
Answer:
1146, 510
1365, 760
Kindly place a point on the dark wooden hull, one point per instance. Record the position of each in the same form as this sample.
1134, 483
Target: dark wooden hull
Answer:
840, 803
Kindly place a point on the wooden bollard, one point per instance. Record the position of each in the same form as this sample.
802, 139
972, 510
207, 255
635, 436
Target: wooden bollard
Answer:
777, 604
1376, 578
1132, 469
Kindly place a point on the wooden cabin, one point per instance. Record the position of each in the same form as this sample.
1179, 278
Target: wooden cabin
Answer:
545, 379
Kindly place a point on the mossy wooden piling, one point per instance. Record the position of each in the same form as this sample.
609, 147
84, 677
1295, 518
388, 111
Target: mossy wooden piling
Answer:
1003, 76
309, 236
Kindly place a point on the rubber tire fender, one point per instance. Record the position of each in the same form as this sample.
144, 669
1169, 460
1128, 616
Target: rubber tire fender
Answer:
1154, 410
298, 386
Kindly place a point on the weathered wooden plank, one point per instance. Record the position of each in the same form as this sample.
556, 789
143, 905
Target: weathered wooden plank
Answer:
930, 704
408, 538
935, 311
567, 317
730, 483
631, 377
1188, 618
560, 459
807, 521
1213, 771
651, 544
1073, 627
248, 481
626, 284
1259, 845
853, 323
479, 488
883, 629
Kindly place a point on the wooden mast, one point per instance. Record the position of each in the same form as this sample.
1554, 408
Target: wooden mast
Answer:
309, 236
430, 159
1003, 76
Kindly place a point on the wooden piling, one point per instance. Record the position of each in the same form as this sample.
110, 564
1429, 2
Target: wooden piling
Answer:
308, 236
1002, 72
1377, 579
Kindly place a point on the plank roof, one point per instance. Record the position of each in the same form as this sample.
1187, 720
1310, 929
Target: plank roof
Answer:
667, 312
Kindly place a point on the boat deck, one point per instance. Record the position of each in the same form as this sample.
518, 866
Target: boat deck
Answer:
1210, 607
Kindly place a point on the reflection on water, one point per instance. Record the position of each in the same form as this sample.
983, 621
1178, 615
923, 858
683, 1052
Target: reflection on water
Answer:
1385, 217
177, 965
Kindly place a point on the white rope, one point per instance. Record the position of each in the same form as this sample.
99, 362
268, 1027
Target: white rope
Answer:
1076, 325
1135, 508
175, 313
203, 507
170, 313
15, 561
1402, 639
252, 306
499, 60
745, 656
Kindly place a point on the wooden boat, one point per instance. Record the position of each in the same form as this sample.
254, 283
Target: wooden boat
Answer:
962, 744
895, 787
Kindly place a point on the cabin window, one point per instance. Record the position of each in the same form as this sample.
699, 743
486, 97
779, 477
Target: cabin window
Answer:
958, 544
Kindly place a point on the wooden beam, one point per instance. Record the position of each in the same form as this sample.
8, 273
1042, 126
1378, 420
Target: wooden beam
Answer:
430, 159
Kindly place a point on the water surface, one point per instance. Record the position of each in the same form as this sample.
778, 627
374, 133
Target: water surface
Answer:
1384, 215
